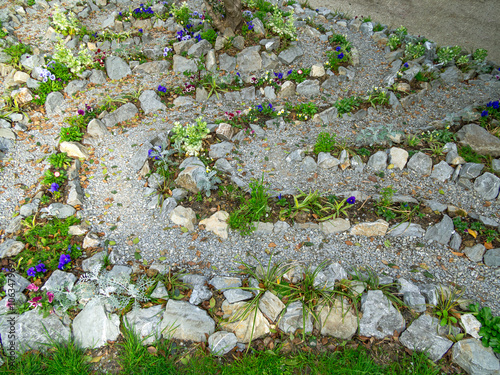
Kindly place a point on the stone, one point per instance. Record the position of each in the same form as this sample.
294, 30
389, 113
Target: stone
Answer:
487, 186
309, 164
237, 295
160, 291
116, 68
475, 253
474, 358
398, 157
479, 139
15, 284
455, 241
222, 342
293, 319
269, 61
150, 102
492, 258
194, 280
185, 217
334, 226
220, 150
91, 240
223, 166
182, 101
124, 113
184, 321
471, 325
471, 170
327, 116
77, 230
183, 46
435, 205
454, 211
369, 229
201, 94
89, 263
220, 42
14, 225
327, 161
92, 328
238, 42
146, 323
317, 71
378, 161
406, 229
441, 232
211, 62
181, 64
23, 95
289, 55
344, 160
10, 248
29, 208
120, 272
59, 210
453, 158
495, 165
253, 326
224, 283
75, 86
249, 60
452, 75
339, 320
199, 294
97, 129
189, 177
153, 67
442, 171
20, 77
217, 224
327, 277
98, 77
74, 150
380, 318
32, 331
258, 27
269, 93
270, 305
420, 163
200, 49
227, 63
140, 156
287, 90
53, 102
225, 132
308, 88
295, 157
422, 336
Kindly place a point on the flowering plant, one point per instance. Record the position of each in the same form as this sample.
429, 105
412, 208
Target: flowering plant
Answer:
75, 63
282, 27
38, 299
37, 271
66, 25
189, 138
142, 12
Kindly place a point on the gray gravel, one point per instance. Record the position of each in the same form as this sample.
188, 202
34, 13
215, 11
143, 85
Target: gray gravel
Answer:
132, 218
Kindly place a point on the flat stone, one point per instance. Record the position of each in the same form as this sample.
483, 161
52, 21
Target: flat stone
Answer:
116, 68
97, 129
53, 102
287, 90
184, 321
339, 320
435, 205
471, 325
289, 55
150, 102
59, 210
74, 150
226, 62
380, 318
181, 64
92, 328
492, 258
295, 156
378, 161
487, 186
10, 248
474, 358
249, 60
160, 291
398, 157
475, 253
406, 229
253, 326
220, 150
224, 283
199, 294
293, 319
185, 217
146, 323
377, 228
124, 113
271, 305
269, 61
441, 232
98, 77
420, 163
479, 139
89, 263
422, 336
327, 161
334, 226
59, 279
237, 295
217, 224
200, 49
308, 88
222, 342
183, 46
442, 171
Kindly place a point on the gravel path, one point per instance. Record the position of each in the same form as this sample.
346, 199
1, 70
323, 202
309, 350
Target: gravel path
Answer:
128, 211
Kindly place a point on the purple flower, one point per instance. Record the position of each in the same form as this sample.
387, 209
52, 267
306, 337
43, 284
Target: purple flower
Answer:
279, 196
260, 108
351, 200
162, 88
289, 72
338, 49
340, 56
406, 65
141, 31
54, 187
81, 112
41, 268
198, 37
496, 105
31, 272
271, 106
63, 261
484, 113
238, 74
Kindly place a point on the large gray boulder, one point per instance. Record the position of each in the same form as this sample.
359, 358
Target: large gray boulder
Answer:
479, 139
146, 323
442, 231
117, 68
249, 60
487, 185
181, 64
422, 336
184, 321
124, 113
474, 358
380, 318
150, 102
420, 163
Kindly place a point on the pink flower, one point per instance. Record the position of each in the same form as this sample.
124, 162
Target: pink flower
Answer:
50, 296
56, 174
299, 71
238, 112
32, 287
9, 304
35, 302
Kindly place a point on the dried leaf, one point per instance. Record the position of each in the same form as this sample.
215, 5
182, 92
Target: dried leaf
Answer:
473, 233
457, 254
488, 245
272, 244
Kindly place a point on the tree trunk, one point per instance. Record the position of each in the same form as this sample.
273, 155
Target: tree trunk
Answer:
233, 18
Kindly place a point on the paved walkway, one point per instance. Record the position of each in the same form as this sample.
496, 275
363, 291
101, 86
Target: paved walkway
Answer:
468, 23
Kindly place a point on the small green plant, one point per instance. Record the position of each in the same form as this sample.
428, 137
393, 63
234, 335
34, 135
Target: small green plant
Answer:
306, 111
479, 55
252, 210
384, 203
66, 25
396, 39
325, 143
336, 57
470, 156
15, 52
372, 281
445, 308
366, 19
298, 76
208, 182
209, 35
412, 140
281, 25
54, 177
378, 27
414, 51
338, 206
60, 160
71, 134
490, 326
377, 96
189, 138
447, 54
76, 64
347, 105
378, 134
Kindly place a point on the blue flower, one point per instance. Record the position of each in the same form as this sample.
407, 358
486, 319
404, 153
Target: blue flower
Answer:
31, 272
63, 261
41, 268
279, 196
54, 187
198, 37
484, 113
340, 56
52, 77
120, 13
162, 88
496, 105
338, 49
406, 65
351, 200
271, 106
289, 72
260, 108
238, 74
141, 31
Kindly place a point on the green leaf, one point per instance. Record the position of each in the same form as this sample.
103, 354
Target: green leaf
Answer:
443, 322
387, 243
112, 243
137, 255
185, 360
453, 319
135, 241
184, 230
113, 227
162, 258
308, 244
113, 192
441, 191
105, 170
428, 274
212, 303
